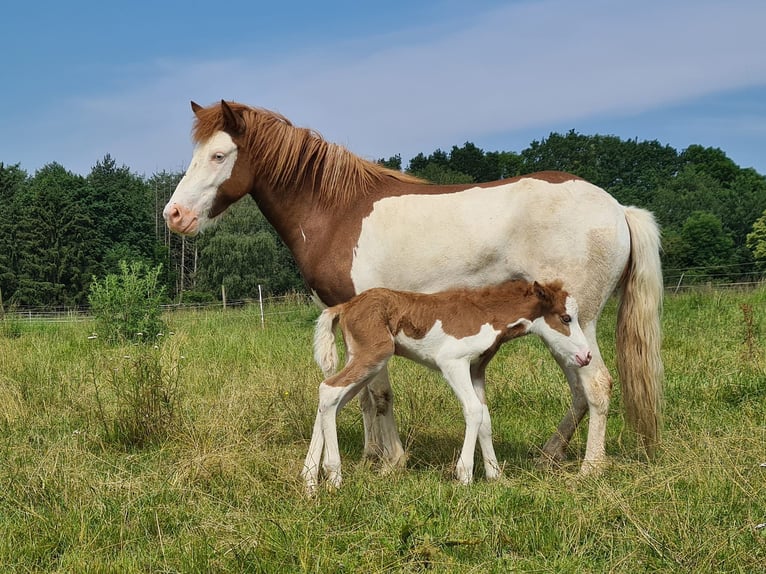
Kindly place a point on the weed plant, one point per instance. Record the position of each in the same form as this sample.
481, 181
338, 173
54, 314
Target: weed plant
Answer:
126, 306
218, 490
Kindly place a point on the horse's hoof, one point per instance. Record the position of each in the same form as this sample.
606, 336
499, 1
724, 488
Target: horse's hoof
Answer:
593, 467
550, 461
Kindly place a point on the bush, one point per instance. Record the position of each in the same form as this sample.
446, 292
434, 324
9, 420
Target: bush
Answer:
139, 405
127, 306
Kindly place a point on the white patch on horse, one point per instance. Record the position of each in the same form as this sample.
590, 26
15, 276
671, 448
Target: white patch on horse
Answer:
409, 242
436, 344
211, 165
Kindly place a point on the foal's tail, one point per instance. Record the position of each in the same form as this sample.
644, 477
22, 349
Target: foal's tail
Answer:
638, 329
325, 351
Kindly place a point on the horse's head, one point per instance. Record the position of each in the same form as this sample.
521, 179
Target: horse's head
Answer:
218, 174
558, 324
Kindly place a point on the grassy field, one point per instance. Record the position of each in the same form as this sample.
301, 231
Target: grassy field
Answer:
185, 458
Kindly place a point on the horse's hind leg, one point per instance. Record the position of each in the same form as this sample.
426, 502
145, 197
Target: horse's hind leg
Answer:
381, 438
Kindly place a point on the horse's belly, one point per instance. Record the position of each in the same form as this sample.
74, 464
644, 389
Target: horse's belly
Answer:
532, 229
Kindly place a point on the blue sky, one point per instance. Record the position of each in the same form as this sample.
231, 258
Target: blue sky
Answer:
81, 79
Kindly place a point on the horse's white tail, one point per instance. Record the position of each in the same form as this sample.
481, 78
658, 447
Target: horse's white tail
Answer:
638, 329
325, 351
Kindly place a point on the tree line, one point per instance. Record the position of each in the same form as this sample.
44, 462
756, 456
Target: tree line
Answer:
60, 230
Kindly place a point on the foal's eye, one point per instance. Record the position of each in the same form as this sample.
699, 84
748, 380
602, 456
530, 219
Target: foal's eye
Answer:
219, 157
566, 319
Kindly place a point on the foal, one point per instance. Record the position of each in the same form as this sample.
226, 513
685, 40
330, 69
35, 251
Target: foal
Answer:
456, 332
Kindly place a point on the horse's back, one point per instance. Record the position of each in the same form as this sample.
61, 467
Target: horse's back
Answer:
527, 228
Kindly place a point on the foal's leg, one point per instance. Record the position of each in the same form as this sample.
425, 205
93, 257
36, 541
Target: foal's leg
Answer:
458, 375
381, 439
491, 466
310, 472
334, 393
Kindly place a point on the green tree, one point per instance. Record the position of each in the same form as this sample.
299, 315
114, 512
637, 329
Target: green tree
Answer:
706, 244
692, 189
242, 252
11, 180
756, 241
420, 162
53, 233
394, 162
441, 175
472, 161
712, 161
630, 170
122, 208
169, 246
506, 164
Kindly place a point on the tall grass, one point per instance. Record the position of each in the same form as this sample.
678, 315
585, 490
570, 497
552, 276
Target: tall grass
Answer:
218, 490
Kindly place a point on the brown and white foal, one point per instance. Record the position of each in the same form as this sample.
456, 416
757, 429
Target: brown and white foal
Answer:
456, 332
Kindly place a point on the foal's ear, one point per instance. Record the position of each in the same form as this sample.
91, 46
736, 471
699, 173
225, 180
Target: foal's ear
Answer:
195, 108
541, 291
233, 122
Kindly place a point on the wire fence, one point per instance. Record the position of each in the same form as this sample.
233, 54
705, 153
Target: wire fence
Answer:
676, 280
268, 306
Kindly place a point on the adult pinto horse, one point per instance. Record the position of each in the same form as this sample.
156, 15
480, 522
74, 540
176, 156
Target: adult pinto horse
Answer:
352, 224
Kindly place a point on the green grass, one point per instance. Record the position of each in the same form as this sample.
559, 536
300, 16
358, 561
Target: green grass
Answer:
218, 489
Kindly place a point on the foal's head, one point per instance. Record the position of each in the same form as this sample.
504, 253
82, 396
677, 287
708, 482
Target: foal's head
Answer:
556, 322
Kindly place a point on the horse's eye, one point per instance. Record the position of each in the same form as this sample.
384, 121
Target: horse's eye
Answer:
566, 319
219, 157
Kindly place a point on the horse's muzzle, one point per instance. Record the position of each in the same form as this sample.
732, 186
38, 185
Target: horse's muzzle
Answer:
181, 219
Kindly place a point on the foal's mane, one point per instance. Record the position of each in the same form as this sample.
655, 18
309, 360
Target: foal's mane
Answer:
289, 157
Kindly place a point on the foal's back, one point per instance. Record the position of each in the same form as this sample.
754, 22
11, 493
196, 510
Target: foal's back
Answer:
493, 313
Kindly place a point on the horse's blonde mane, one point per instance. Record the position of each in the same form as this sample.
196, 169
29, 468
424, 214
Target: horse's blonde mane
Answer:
289, 157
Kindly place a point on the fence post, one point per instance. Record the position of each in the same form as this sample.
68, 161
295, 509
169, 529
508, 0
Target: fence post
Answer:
679, 281
260, 303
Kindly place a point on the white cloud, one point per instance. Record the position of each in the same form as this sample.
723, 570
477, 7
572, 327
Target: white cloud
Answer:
526, 64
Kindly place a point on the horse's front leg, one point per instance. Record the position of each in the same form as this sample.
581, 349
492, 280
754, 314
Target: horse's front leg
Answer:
381, 439
591, 388
554, 450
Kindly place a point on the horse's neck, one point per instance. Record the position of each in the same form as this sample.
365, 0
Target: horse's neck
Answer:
287, 212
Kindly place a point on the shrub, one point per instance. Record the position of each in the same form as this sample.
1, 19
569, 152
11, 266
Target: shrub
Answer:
127, 306
140, 402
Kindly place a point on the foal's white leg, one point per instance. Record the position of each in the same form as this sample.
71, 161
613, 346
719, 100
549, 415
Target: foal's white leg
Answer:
458, 376
381, 438
491, 466
331, 400
329, 404
310, 472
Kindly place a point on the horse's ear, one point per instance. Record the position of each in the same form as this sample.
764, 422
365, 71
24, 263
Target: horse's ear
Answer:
232, 121
196, 108
541, 291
